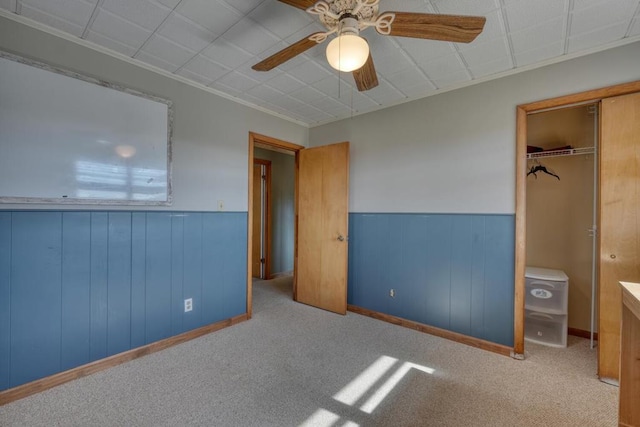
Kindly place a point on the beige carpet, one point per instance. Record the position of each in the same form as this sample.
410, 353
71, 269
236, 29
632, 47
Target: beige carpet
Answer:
295, 365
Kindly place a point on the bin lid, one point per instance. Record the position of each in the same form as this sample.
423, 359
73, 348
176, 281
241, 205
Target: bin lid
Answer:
545, 274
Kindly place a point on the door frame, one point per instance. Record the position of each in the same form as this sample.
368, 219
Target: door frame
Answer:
263, 141
521, 189
266, 249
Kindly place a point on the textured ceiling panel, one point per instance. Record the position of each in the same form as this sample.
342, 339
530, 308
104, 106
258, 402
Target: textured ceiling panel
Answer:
214, 43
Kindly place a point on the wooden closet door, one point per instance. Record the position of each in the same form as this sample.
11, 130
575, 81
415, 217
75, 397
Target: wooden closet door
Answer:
619, 221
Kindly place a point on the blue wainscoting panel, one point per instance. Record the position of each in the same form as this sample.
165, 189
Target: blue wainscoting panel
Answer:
452, 271
76, 295
36, 254
77, 286
5, 298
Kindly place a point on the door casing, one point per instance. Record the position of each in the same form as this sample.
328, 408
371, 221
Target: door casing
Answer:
521, 171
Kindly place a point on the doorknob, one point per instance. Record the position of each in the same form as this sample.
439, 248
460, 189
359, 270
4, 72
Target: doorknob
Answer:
341, 237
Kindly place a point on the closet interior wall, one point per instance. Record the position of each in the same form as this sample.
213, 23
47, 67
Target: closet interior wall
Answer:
560, 212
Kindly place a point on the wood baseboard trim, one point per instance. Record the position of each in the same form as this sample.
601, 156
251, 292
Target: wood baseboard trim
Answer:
582, 333
432, 330
54, 380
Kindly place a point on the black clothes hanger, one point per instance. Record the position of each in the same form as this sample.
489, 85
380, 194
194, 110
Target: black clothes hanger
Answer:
540, 168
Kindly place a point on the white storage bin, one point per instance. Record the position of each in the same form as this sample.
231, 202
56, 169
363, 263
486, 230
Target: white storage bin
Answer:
546, 290
545, 328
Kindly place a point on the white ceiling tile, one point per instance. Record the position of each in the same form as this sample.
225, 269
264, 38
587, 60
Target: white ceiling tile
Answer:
249, 36
206, 68
451, 79
424, 50
279, 18
261, 76
225, 88
265, 93
526, 13
244, 6
309, 72
145, 13
493, 28
331, 106
118, 29
329, 85
214, 15
635, 29
238, 81
285, 83
406, 80
538, 36
101, 40
252, 99
76, 12
466, 7
158, 62
169, 3
52, 21
391, 60
186, 33
492, 67
168, 51
223, 52
307, 94
193, 76
598, 37
540, 54
441, 67
9, 5
485, 52
385, 93
359, 102
602, 14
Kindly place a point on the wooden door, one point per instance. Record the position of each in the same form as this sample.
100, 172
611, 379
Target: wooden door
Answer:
322, 225
261, 213
619, 221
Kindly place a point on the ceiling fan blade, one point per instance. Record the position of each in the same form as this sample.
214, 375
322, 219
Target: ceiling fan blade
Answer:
366, 77
451, 28
286, 54
300, 4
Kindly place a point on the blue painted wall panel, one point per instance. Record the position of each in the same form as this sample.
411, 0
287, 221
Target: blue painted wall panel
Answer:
119, 283
478, 250
450, 271
412, 290
192, 273
99, 285
5, 298
35, 295
177, 267
235, 264
438, 271
158, 276
76, 286
461, 254
138, 278
76, 289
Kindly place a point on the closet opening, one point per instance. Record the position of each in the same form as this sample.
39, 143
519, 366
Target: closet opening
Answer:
561, 226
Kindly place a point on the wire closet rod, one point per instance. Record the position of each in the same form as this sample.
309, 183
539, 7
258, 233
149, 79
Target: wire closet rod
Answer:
558, 153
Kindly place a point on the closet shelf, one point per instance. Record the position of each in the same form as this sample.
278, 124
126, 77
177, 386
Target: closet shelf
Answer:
558, 153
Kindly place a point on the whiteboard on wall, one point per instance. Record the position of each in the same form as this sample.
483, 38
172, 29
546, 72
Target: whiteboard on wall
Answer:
67, 138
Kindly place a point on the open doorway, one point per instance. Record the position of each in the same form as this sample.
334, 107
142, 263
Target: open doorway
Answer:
272, 210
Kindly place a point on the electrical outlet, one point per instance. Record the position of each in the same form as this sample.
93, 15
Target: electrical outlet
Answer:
392, 293
220, 205
188, 304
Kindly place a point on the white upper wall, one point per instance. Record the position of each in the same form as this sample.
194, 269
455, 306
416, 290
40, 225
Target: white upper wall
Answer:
210, 133
455, 152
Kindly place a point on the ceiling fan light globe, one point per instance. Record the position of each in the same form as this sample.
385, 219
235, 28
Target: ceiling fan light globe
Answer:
347, 52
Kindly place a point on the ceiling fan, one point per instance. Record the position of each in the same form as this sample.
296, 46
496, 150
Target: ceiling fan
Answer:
350, 53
